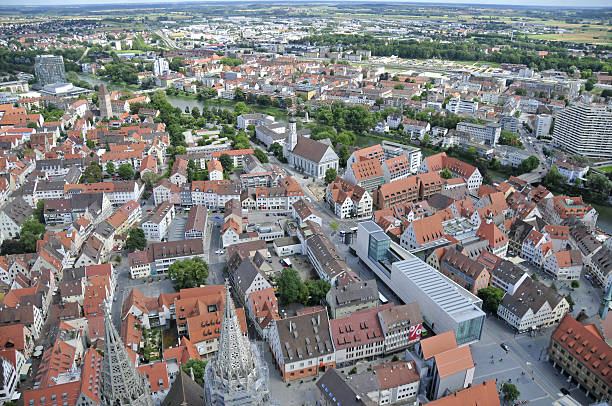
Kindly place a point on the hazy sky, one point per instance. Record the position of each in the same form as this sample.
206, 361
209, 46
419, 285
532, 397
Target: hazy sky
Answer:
557, 3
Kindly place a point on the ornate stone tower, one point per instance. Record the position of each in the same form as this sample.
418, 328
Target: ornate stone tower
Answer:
236, 376
122, 384
104, 100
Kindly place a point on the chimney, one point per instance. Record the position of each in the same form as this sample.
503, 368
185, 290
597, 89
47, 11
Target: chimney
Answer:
319, 319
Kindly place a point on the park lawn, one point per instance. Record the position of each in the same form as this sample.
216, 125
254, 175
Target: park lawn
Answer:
606, 169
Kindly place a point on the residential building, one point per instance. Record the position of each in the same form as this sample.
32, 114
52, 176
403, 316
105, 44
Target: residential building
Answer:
498, 242
358, 336
507, 277
394, 149
350, 295
584, 129
401, 326
215, 170
156, 225
533, 305
581, 352
348, 200
542, 125
197, 221
564, 265
302, 345
49, 69
12, 216
484, 394
466, 272
367, 173
457, 106
303, 210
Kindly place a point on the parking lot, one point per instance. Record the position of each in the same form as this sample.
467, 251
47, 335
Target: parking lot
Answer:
176, 231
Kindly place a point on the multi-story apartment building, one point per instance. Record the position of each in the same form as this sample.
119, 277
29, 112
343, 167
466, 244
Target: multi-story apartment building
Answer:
348, 200
533, 305
156, 226
49, 69
579, 350
465, 271
457, 106
302, 345
584, 129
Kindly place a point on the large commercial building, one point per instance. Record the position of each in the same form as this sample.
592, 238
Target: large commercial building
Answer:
49, 69
584, 129
488, 133
445, 305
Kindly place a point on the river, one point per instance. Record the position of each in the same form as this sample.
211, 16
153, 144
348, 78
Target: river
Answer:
176, 101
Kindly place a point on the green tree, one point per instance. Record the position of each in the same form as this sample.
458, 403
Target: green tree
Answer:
291, 289
590, 83
334, 225
343, 155
491, 298
90, 144
176, 64
330, 175
195, 112
136, 240
149, 178
446, 174
534, 277
239, 95
529, 164
570, 302
110, 168
10, 247
317, 289
188, 273
31, 232
520, 91
226, 162
125, 171
262, 156
510, 392
39, 211
92, 174
276, 149
575, 284
554, 179
472, 154
197, 366
599, 183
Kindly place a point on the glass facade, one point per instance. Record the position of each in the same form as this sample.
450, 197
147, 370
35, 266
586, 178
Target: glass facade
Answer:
469, 330
378, 245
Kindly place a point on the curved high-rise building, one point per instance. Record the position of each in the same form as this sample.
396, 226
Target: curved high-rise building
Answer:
584, 129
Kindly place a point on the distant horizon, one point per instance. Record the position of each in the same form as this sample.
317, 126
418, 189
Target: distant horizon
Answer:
520, 3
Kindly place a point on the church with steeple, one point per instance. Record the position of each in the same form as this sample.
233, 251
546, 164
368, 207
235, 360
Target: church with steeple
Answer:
122, 384
311, 157
237, 375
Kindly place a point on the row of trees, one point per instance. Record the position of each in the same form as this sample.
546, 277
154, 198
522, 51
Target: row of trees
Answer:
465, 50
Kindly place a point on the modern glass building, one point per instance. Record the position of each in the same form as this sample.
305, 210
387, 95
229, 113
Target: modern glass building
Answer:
445, 305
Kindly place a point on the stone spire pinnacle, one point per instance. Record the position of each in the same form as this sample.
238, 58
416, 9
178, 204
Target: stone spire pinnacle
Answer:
122, 384
234, 359
236, 374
